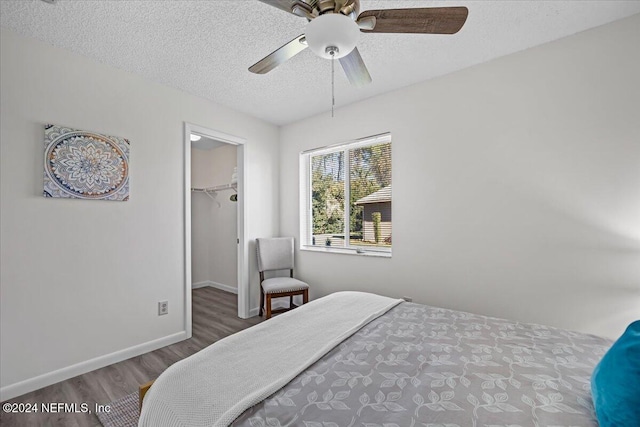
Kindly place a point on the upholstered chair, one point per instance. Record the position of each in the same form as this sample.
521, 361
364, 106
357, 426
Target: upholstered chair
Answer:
276, 254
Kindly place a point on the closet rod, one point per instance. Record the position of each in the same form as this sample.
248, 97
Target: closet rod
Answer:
216, 188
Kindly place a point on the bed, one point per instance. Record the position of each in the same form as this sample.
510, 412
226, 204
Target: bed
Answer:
358, 359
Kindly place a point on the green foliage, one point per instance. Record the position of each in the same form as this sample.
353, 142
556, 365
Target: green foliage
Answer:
377, 218
327, 183
380, 163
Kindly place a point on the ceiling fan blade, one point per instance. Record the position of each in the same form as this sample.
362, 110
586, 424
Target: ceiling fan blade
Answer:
354, 68
279, 56
297, 7
429, 20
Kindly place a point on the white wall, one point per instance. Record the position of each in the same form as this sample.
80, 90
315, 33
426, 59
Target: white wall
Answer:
80, 280
214, 222
516, 186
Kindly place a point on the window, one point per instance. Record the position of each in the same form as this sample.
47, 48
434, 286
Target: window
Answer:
345, 197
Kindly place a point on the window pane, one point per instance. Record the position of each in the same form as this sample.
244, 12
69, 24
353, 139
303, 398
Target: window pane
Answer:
327, 199
370, 196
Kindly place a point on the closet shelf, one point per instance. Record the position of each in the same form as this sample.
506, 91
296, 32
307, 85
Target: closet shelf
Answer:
233, 186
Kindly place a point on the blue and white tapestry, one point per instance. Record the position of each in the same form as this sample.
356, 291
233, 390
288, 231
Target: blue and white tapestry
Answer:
85, 165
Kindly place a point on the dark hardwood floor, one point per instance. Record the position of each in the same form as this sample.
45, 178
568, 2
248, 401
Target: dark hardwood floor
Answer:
214, 317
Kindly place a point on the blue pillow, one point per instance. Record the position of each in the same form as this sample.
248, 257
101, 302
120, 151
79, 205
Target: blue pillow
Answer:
615, 383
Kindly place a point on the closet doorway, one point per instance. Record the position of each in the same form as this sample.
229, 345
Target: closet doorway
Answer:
216, 252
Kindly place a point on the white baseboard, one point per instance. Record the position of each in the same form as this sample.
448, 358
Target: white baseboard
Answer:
222, 287
199, 285
44, 380
254, 312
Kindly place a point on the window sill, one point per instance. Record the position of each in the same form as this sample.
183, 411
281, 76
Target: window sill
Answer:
333, 250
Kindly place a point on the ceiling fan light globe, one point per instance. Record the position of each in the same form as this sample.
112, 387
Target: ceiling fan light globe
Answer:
332, 30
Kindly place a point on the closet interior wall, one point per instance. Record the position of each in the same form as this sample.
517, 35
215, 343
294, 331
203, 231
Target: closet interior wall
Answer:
214, 219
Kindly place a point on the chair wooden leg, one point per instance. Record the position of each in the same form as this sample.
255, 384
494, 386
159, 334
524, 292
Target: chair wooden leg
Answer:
261, 301
268, 306
290, 302
305, 296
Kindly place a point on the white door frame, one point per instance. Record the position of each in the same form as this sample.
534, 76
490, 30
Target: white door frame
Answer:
243, 244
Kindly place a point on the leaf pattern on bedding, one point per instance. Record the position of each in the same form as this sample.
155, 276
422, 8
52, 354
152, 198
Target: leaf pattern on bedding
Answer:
423, 366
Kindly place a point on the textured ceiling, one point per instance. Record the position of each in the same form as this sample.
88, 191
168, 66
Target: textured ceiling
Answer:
205, 47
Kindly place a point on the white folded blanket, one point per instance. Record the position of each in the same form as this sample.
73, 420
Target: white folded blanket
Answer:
217, 384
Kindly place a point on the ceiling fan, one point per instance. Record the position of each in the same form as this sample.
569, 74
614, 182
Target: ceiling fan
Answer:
334, 27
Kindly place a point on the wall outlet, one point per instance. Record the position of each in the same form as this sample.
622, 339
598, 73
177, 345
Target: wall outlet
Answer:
163, 308
407, 299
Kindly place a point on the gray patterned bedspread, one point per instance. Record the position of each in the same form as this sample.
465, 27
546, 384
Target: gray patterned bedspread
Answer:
424, 366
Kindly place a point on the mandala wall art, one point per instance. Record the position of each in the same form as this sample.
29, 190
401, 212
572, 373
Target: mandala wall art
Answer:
85, 165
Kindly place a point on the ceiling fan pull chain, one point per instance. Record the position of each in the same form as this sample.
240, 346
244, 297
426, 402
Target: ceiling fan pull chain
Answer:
332, 50
333, 84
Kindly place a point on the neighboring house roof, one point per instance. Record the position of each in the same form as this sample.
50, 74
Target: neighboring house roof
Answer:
380, 196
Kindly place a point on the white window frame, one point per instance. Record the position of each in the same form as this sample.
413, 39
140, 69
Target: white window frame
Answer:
306, 210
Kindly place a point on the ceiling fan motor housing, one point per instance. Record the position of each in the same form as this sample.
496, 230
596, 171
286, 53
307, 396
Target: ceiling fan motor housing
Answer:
332, 30
350, 8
